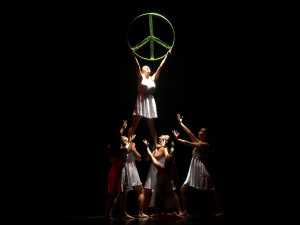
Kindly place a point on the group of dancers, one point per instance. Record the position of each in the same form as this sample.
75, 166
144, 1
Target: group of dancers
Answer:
159, 191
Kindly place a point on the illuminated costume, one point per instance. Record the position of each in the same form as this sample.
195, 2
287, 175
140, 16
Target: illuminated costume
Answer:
198, 176
145, 104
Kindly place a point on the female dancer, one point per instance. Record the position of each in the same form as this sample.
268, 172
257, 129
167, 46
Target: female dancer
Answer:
145, 105
133, 176
198, 176
165, 145
117, 184
163, 195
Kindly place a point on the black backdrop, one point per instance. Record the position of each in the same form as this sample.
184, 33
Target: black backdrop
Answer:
91, 87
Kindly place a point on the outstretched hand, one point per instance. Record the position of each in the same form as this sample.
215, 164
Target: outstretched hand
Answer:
146, 143
131, 138
124, 124
179, 118
147, 146
176, 134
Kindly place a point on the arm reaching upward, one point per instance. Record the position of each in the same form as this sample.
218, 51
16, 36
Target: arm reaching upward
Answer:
136, 62
187, 130
157, 73
195, 144
130, 140
137, 155
123, 127
155, 162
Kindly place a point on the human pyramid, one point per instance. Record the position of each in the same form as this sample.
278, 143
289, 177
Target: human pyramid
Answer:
159, 189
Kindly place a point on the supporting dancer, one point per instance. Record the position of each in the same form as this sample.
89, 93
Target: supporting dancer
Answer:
163, 195
198, 176
165, 145
145, 105
133, 175
117, 181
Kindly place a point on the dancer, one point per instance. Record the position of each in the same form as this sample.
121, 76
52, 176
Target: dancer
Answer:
133, 175
198, 176
163, 195
165, 145
145, 105
117, 184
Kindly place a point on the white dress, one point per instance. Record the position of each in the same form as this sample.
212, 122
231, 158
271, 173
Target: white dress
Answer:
198, 176
145, 104
132, 170
151, 177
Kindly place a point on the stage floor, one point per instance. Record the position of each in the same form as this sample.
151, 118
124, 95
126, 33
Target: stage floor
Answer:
199, 219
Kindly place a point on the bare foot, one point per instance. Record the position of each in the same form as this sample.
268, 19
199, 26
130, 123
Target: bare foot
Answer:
184, 213
143, 215
110, 218
220, 214
127, 217
177, 215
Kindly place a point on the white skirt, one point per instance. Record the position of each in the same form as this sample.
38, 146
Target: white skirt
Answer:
198, 176
145, 106
133, 173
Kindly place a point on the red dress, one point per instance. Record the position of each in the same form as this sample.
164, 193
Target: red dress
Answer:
114, 179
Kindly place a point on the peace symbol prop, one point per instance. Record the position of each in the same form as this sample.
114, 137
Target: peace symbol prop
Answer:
142, 26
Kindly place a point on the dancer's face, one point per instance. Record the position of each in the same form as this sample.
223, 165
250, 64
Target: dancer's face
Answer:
163, 137
202, 134
146, 70
125, 139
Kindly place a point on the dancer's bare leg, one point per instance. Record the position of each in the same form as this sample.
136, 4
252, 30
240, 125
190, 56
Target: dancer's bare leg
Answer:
147, 198
109, 204
217, 200
151, 125
114, 204
123, 197
183, 191
141, 197
135, 122
176, 203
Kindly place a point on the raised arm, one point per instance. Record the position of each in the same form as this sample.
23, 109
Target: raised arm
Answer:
187, 130
123, 127
195, 144
157, 73
137, 155
131, 144
155, 162
136, 62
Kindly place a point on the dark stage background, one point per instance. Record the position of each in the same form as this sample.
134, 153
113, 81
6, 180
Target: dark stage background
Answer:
91, 87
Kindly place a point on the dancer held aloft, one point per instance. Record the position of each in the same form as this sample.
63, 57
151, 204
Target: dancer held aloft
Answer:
198, 176
145, 105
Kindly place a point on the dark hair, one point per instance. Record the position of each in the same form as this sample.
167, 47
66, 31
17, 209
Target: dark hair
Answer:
169, 162
205, 131
114, 143
210, 138
170, 165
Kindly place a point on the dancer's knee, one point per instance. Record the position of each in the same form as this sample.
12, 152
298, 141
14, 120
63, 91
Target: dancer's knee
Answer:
183, 189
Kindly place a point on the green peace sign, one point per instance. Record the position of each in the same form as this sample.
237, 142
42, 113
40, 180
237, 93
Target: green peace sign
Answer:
151, 38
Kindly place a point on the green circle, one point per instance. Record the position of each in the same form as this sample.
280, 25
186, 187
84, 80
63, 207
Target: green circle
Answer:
169, 47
